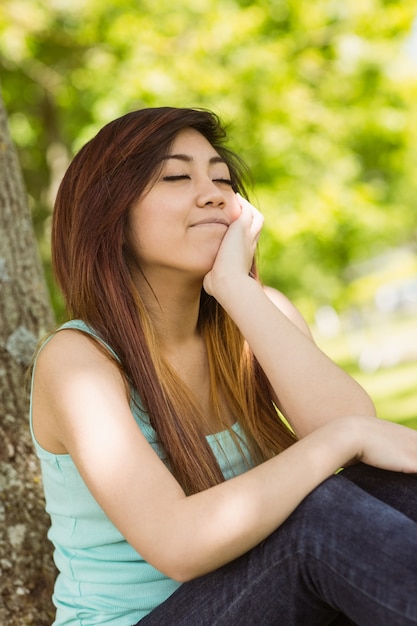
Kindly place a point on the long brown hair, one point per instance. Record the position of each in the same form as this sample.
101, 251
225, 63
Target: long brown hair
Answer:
92, 260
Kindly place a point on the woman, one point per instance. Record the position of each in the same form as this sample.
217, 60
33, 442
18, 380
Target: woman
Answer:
177, 494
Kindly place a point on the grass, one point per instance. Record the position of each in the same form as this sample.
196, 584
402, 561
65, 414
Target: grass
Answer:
391, 385
394, 392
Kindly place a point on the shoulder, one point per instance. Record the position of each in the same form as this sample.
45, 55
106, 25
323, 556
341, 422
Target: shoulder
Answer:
77, 388
288, 309
72, 358
70, 346
76, 340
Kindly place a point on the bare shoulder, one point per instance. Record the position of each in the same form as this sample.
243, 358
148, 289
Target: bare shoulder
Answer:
69, 345
71, 351
72, 360
289, 309
72, 375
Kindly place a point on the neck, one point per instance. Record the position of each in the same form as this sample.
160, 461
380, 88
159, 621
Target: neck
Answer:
173, 303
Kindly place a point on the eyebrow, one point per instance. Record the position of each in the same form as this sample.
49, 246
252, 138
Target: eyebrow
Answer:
188, 159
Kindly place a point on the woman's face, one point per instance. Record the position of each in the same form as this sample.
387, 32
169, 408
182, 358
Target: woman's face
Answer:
179, 223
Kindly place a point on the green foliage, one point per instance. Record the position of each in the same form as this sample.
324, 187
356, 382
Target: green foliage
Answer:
392, 386
320, 97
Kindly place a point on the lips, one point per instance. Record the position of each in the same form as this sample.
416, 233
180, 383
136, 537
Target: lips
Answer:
213, 220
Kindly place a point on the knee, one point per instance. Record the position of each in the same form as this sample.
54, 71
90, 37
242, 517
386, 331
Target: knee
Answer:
323, 500
324, 512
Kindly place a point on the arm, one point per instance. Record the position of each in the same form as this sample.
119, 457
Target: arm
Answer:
288, 309
80, 400
310, 388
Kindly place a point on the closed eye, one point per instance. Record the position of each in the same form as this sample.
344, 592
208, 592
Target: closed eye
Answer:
225, 181
179, 177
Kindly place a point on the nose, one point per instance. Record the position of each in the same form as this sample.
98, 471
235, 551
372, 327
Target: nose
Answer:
210, 195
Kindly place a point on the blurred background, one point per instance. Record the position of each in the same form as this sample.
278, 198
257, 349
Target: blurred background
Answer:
320, 98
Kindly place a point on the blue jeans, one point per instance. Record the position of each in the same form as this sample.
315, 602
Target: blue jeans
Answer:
348, 554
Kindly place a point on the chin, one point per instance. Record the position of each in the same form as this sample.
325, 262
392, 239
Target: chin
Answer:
201, 269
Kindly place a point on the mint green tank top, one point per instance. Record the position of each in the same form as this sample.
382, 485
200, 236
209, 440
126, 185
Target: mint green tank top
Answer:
101, 578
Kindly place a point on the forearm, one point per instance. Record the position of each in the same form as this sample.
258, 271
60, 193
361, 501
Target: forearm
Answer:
222, 523
204, 531
311, 389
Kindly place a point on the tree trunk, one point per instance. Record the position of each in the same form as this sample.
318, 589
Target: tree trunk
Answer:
26, 568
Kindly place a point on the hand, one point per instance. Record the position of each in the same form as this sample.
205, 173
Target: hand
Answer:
235, 256
386, 445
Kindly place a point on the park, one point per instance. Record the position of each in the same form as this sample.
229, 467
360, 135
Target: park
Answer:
320, 99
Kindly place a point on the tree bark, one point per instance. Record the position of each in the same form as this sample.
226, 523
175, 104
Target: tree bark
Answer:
26, 567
